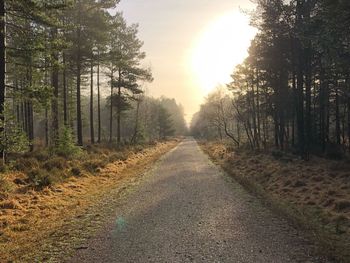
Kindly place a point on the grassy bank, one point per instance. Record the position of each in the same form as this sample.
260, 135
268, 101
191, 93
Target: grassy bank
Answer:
46, 204
315, 195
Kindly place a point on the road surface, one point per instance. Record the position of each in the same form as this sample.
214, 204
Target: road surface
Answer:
188, 210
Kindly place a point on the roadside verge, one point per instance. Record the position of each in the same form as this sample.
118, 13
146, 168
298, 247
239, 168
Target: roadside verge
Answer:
314, 196
47, 225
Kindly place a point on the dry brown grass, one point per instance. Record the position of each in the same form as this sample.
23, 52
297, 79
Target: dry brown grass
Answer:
318, 189
29, 217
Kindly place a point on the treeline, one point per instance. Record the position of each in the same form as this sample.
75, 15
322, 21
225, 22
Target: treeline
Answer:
72, 65
293, 91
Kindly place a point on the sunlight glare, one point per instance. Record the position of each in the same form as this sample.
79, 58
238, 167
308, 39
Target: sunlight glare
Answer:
219, 48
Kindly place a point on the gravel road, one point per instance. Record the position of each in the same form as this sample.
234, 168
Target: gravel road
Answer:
188, 210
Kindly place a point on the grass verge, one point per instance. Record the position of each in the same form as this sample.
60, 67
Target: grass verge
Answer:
314, 196
46, 224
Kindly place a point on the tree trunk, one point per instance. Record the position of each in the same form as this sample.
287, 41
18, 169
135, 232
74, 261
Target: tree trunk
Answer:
2, 59
348, 108
322, 113
29, 123
136, 127
98, 100
46, 127
2, 68
337, 117
300, 82
92, 132
308, 117
78, 76
111, 111
254, 117
54, 103
258, 104
64, 80
119, 110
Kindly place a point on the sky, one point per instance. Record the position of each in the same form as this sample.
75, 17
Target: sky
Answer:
191, 45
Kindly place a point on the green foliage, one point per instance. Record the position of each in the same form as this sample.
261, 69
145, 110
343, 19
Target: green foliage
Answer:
165, 123
41, 178
66, 144
5, 185
3, 168
12, 137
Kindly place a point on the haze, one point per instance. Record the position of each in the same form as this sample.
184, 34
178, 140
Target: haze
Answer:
192, 46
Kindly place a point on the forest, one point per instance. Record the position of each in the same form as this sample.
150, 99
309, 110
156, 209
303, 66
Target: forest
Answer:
74, 74
292, 92
76, 117
281, 126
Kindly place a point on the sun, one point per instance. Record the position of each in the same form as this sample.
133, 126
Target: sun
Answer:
219, 48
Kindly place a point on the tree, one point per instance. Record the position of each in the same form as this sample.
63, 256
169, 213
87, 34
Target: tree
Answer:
164, 123
12, 137
125, 57
292, 92
54, 50
2, 57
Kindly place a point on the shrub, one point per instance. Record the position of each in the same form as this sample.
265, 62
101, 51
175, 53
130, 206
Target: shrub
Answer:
118, 156
12, 137
75, 171
41, 155
5, 185
95, 149
26, 164
93, 165
66, 144
3, 167
55, 163
40, 178
138, 148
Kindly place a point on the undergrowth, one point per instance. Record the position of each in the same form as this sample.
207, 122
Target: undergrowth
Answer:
47, 167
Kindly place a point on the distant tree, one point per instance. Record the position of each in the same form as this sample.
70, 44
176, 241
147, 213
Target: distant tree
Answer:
292, 92
164, 123
125, 56
177, 115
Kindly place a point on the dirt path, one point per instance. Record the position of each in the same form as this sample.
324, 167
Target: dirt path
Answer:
187, 210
